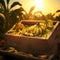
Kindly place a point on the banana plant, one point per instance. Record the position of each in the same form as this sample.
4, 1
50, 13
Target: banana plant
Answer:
57, 17
7, 11
56, 12
29, 15
38, 15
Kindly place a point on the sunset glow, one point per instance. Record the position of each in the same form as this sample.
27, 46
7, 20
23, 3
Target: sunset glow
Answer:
39, 5
46, 6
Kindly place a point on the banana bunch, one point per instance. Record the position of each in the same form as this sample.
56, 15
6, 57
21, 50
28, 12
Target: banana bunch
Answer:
12, 49
49, 24
36, 31
42, 25
41, 29
31, 28
28, 31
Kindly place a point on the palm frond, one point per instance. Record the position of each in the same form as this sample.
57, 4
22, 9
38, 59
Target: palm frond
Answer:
7, 1
21, 9
14, 4
15, 10
58, 11
38, 12
1, 11
3, 3
32, 8
2, 15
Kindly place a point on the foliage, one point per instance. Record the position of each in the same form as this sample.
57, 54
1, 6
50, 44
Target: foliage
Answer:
57, 18
58, 11
8, 13
50, 16
2, 25
33, 16
38, 15
29, 15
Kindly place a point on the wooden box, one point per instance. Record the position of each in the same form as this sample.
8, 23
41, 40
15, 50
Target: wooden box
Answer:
35, 45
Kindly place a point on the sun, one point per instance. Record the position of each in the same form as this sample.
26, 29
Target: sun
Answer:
39, 4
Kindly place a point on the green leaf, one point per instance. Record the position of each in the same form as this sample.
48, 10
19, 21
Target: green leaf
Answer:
14, 4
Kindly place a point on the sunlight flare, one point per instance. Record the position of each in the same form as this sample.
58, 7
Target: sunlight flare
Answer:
39, 5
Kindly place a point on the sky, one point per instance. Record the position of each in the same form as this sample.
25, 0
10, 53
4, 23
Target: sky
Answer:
47, 6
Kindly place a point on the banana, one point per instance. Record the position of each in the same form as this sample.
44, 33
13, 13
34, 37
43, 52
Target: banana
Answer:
43, 26
49, 23
36, 31
40, 30
11, 49
24, 30
32, 27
